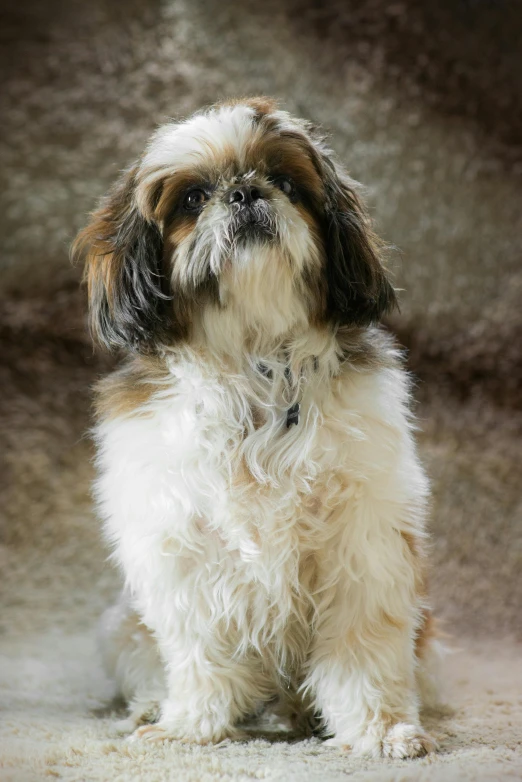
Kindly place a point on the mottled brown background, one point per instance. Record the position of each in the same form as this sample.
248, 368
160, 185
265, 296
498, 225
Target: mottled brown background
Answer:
423, 103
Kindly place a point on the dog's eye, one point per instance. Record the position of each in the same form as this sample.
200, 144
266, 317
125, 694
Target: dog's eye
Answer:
195, 200
286, 185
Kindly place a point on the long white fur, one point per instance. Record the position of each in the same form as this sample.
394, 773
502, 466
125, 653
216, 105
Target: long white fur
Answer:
256, 555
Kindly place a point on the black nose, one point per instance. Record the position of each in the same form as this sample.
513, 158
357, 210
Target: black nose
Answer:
244, 195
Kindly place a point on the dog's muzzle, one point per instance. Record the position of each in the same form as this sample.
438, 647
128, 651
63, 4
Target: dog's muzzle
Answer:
251, 218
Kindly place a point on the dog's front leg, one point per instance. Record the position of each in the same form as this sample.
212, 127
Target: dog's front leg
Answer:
362, 664
209, 690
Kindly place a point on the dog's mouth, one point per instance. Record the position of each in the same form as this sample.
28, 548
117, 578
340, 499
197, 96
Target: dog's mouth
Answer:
253, 225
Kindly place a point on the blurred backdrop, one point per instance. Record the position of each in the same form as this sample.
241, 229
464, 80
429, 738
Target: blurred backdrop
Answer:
423, 104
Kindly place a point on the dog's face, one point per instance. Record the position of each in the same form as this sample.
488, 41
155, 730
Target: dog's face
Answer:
239, 212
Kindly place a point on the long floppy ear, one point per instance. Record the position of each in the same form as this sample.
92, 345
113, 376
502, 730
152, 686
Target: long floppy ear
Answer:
359, 291
127, 289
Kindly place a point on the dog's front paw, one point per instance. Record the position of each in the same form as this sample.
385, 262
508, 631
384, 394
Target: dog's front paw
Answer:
407, 741
139, 713
402, 740
160, 731
166, 730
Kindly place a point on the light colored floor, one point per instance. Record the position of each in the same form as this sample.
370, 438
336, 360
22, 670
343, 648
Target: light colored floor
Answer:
55, 725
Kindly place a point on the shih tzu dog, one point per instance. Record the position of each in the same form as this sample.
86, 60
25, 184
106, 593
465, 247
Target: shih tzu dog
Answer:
257, 474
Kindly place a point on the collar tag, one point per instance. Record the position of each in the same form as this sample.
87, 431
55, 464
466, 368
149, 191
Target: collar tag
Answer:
292, 415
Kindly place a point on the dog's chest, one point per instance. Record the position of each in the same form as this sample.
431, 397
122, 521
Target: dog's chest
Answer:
250, 505
213, 491
253, 458
257, 494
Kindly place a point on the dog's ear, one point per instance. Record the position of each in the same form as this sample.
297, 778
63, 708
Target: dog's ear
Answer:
127, 289
358, 288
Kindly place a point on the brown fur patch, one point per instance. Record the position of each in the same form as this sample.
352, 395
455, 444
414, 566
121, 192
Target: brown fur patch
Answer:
417, 557
97, 242
426, 633
261, 104
128, 389
427, 629
392, 621
368, 350
312, 223
127, 285
412, 543
173, 187
258, 417
275, 154
181, 228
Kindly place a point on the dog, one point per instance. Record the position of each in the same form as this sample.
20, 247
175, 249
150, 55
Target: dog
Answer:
258, 478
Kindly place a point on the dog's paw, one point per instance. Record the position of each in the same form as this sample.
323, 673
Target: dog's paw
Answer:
407, 741
160, 731
123, 727
174, 731
139, 713
402, 740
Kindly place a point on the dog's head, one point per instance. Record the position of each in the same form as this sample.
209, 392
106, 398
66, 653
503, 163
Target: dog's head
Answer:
242, 212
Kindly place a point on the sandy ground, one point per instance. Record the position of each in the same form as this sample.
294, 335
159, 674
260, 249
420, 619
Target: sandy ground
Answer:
424, 105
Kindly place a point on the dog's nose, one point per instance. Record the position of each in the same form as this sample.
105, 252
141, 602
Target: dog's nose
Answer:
244, 195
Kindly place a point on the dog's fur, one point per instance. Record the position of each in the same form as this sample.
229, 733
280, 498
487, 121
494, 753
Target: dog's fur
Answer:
261, 556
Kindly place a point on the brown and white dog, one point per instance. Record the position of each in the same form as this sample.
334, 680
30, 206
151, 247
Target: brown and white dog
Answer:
258, 478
